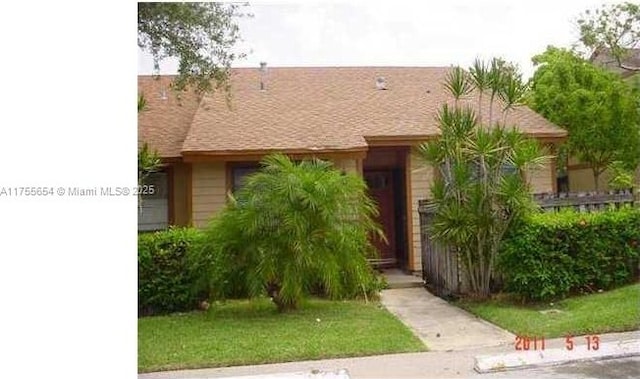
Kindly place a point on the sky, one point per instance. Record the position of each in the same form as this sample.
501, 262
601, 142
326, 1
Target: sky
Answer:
401, 33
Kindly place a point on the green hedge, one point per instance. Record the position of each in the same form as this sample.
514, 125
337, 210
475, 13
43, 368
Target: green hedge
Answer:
168, 271
551, 255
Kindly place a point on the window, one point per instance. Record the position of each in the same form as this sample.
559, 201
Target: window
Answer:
240, 173
507, 169
153, 211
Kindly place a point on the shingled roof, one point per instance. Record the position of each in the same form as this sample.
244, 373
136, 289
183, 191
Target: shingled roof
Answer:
603, 57
308, 110
165, 121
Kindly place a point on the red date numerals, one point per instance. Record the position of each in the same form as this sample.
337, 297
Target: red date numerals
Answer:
593, 342
525, 343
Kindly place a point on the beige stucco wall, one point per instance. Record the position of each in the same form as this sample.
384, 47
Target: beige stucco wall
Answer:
346, 165
208, 191
541, 179
581, 180
421, 176
209, 188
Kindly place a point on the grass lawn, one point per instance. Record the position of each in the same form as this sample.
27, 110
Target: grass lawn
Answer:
612, 311
252, 332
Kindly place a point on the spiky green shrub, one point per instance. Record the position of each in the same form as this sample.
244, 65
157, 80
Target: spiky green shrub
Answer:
292, 230
482, 186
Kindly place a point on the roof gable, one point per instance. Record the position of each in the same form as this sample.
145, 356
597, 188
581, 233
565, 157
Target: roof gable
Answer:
167, 117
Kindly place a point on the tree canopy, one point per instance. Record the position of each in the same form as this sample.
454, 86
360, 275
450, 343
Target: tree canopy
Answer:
200, 35
613, 29
596, 107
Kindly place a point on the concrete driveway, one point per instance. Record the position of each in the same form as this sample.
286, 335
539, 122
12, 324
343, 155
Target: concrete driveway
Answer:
440, 325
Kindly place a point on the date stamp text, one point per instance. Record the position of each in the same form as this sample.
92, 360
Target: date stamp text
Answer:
528, 343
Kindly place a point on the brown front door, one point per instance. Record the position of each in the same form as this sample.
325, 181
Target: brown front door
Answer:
380, 185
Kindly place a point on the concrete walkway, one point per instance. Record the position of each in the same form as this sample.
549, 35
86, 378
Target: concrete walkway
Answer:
397, 279
440, 325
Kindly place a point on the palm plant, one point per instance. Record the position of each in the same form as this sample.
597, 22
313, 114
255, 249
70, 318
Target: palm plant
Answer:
142, 102
457, 83
292, 230
479, 74
511, 92
477, 198
495, 77
148, 161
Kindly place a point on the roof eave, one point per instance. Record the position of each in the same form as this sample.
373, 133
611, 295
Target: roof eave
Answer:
399, 140
257, 154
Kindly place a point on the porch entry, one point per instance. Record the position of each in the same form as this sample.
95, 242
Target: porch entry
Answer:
384, 173
380, 185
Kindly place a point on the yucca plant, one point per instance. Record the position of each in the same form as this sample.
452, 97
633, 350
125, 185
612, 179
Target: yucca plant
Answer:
142, 102
148, 161
480, 80
482, 187
457, 83
511, 92
294, 229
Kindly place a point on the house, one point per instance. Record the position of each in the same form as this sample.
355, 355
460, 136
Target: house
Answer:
367, 120
579, 175
626, 68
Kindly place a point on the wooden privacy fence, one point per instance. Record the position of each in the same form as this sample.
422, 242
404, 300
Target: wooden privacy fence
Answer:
442, 269
584, 201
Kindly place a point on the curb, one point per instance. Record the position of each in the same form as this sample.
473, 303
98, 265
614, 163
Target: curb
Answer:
553, 357
313, 374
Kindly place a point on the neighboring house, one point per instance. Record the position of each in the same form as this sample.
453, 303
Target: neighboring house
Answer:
579, 175
602, 57
367, 120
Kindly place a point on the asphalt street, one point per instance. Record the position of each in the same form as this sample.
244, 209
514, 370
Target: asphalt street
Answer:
623, 368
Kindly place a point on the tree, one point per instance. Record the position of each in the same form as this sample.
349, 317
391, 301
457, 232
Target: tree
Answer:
293, 229
621, 176
596, 107
200, 35
613, 29
482, 187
